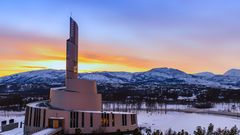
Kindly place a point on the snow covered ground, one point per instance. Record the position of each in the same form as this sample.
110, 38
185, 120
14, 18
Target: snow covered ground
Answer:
232, 107
187, 121
155, 120
17, 116
16, 131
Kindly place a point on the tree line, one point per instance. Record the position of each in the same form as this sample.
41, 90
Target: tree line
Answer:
198, 131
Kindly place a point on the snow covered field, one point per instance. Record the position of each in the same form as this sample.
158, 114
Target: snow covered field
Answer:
154, 120
7, 115
232, 107
187, 121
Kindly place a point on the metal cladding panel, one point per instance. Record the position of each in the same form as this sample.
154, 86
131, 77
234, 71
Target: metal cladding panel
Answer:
73, 31
72, 52
72, 61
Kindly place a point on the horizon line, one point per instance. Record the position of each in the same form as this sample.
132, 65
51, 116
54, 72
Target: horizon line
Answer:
85, 71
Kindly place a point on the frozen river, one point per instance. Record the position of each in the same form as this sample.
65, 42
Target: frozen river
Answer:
187, 121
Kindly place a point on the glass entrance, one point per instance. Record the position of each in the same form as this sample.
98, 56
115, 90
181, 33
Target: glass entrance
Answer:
55, 123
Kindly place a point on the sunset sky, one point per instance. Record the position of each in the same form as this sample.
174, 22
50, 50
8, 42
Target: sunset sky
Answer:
121, 35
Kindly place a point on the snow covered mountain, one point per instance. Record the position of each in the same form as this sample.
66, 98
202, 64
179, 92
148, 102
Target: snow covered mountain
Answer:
205, 74
49, 76
159, 76
233, 72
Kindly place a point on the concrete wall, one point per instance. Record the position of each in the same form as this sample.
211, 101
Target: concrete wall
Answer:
79, 95
9, 126
97, 125
82, 86
70, 100
30, 118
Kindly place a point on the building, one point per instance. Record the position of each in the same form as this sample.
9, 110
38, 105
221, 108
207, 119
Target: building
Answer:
76, 108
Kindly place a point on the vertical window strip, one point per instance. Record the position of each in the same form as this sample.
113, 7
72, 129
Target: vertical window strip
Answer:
71, 120
105, 120
124, 119
82, 119
91, 119
34, 117
36, 120
44, 115
133, 119
76, 119
30, 121
39, 117
108, 119
26, 118
113, 120
102, 120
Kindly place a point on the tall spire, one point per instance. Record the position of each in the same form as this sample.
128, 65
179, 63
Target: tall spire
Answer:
73, 31
72, 52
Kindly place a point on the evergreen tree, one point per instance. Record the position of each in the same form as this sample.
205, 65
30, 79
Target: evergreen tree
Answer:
148, 131
169, 132
210, 129
200, 131
157, 132
234, 131
182, 132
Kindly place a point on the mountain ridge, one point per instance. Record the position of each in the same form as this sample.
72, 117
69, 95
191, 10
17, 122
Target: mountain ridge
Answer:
157, 75
232, 72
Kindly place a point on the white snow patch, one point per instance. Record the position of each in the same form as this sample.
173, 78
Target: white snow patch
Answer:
187, 121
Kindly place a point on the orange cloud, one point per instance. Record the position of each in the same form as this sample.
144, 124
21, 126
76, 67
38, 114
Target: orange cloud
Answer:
35, 67
22, 54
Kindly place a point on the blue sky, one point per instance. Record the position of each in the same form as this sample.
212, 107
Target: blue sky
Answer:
189, 35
